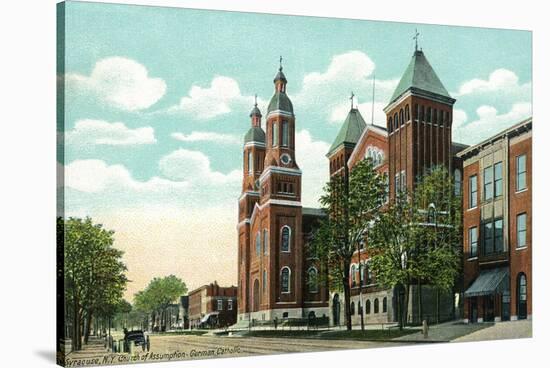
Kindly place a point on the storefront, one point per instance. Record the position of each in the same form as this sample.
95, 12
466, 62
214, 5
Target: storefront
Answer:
488, 297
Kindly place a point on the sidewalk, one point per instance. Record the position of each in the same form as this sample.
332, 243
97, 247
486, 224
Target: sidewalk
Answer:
501, 330
444, 332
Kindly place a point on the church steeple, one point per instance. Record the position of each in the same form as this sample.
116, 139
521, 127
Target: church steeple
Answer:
256, 114
280, 79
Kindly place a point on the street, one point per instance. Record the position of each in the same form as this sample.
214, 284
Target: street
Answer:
183, 347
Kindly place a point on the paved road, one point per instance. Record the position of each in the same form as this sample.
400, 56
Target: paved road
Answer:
181, 347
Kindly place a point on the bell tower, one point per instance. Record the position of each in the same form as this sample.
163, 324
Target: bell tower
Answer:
419, 124
253, 165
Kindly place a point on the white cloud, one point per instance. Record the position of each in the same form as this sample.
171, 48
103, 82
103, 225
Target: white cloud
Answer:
95, 176
221, 97
194, 166
100, 132
119, 82
339, 113
207, 137
329, 91
502, 81
310, 156
490, 122
460, 117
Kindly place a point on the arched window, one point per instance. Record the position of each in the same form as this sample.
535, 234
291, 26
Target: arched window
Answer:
285, 280
285, 238
407, 113
435, 116
422, 113
312, 278
369, 274
367, 306
390, 124
396, 120
429, 115
458, 182
447, 120
266, 242
378, 158
352, 308
401, 120
352, 276
376, 305
250, 162
264, 281
361, 274
522, 296
275, 136
385, 305
258, 244
284, 131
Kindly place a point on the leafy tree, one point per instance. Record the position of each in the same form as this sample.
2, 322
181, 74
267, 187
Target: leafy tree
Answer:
93, 271
417, 239
157, 297
435, 198
352, 202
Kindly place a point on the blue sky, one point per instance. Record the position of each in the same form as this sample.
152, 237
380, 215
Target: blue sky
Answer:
157, 103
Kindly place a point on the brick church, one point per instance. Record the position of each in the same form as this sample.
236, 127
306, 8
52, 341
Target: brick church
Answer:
277, 278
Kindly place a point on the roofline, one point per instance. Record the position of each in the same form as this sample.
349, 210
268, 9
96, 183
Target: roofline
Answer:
376, 129
514, 130
412, 91
344, 144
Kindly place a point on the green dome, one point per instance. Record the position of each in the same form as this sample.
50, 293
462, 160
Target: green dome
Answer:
280, 101
255, 134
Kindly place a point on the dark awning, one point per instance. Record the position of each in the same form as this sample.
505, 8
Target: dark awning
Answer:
488, 282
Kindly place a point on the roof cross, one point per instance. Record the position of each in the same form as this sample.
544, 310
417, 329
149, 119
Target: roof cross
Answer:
351, 98
280, 62
415, 38
255, 99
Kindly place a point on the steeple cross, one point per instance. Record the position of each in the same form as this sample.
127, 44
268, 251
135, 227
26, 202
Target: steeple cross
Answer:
281, 62
255, 99
415, 38
351, 99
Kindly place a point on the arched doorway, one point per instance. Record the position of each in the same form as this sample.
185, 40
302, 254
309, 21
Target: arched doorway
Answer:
256, 305
336, 309
521, 292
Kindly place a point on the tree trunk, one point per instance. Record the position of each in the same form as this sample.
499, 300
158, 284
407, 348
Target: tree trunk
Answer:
398, 306
420, 309
437, 305
88, 327
347, 296
406, 303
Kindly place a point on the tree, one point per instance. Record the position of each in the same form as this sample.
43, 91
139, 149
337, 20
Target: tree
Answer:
157, 297
417, 239
352, 203
393, 249
93, 271
435, 198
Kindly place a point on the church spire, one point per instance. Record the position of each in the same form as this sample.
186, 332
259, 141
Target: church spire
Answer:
255, 113
280, 79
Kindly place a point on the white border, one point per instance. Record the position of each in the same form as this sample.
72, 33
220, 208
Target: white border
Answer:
28, 185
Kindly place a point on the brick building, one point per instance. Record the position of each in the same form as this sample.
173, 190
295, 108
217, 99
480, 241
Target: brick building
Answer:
276, 277
497, 226
212, 306
417, 136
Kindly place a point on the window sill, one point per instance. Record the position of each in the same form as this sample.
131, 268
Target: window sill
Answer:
522, 190
472, 259
285, 251
471, 209
521, 248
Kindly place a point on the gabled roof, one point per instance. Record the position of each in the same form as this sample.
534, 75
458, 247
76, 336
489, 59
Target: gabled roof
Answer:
421, 76
350, 132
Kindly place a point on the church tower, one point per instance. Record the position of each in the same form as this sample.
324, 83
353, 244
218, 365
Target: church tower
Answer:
253, 165
419, 124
